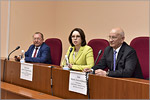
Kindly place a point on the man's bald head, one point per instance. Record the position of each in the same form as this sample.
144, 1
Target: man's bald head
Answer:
118, 30
116, 37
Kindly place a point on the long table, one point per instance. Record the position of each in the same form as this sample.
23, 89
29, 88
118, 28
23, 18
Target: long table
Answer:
99, 87
11, 91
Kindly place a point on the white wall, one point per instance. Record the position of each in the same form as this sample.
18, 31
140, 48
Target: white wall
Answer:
58, 18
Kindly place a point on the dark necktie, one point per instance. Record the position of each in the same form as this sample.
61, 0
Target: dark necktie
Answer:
114, 60
35, 52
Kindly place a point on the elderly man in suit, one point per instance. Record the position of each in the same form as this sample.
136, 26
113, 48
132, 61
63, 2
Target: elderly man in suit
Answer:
38, 51
120, 59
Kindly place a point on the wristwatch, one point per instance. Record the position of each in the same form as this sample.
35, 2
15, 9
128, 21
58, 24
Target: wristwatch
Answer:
107, 73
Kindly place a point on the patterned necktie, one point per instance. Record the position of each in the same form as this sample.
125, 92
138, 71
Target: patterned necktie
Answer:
35, 52
114, 60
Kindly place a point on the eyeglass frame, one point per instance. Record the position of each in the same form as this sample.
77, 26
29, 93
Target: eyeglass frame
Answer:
77, 36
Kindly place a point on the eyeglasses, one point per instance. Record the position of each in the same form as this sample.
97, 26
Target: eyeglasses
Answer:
112, 37
73, 36
37, 39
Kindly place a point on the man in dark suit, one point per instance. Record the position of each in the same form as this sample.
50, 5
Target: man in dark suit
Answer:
39, 51
120, 59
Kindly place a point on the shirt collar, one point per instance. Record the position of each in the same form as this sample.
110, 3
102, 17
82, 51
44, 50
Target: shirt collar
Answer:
118, 49
37, 47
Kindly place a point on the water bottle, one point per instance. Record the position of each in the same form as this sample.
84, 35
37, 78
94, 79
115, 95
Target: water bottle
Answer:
67, 63
22, 56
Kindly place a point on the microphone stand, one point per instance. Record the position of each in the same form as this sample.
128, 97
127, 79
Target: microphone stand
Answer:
5, 62
99, 53
11, 53
51, 81
4, 70
70, 52
87, 83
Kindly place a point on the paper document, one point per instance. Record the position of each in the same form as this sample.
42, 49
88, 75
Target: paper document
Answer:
26, 72
77, 82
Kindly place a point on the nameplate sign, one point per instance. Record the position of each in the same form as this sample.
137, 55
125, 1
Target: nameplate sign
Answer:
26, 72
77, 82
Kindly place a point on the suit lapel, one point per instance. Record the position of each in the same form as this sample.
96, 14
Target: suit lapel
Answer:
31, 50
79, 53
38, 55
120, 54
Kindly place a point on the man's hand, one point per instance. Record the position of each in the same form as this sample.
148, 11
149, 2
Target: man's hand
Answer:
17, 58
87, 70
100, 72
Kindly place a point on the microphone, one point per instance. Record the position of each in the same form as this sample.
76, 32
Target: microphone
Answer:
99, 53
70, 52
13, 51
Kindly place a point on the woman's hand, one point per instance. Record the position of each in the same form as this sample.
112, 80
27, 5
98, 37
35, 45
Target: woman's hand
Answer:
70, 65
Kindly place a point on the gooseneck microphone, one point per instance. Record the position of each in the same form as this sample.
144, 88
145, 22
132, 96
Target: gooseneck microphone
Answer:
70, 52
99, 53
13, 51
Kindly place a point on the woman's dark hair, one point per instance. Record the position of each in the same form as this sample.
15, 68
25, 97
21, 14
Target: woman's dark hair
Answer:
81, 32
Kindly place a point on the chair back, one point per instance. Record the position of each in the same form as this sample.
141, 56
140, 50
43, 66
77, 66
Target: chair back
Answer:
141, 45
96, 45
55, 45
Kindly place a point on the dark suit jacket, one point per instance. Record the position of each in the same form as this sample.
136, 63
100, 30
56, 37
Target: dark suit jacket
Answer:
43, 55
127, 64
